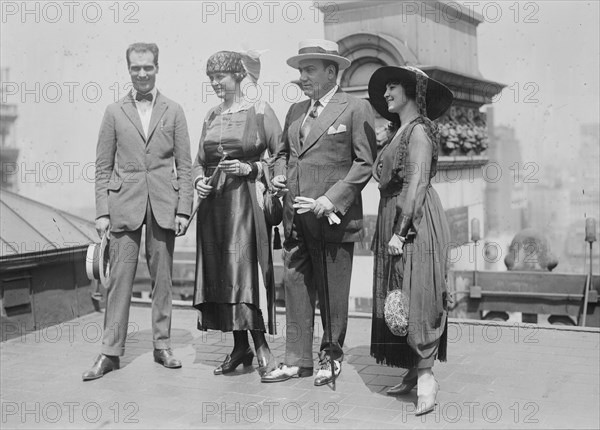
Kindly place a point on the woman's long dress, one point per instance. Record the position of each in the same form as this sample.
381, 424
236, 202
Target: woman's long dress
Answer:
232, 239
421, 270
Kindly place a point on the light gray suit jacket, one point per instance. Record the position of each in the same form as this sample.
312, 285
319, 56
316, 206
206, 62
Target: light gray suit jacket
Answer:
131, 169
335, 161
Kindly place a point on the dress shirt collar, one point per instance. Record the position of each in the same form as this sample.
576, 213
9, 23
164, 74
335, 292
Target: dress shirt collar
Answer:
326, 98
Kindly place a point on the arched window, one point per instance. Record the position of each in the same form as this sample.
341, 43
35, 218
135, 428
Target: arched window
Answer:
368, 52
355, 78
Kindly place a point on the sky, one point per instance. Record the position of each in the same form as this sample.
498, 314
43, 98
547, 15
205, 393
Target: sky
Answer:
67, 63
67, 72
548, 55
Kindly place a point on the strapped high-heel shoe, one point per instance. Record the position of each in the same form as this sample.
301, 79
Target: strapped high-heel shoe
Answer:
231, 362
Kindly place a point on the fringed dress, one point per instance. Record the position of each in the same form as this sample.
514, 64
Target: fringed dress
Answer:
404, 169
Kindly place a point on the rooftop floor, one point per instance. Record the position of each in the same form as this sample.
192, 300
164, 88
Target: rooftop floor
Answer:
498, 375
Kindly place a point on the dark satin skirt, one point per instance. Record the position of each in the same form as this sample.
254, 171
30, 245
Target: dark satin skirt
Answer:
227, 278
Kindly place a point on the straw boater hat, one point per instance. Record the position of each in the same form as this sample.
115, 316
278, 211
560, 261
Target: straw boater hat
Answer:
97, 261
433, 98
319, 49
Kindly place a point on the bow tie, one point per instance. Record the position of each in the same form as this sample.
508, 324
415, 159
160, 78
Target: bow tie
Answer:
139, 97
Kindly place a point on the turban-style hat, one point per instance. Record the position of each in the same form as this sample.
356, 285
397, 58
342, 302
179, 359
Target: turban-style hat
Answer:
235, 62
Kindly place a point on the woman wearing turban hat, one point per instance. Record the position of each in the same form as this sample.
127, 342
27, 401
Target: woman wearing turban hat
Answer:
233, 242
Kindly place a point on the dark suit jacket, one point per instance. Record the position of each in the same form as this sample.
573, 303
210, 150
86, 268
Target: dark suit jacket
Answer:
131, 169
335, 161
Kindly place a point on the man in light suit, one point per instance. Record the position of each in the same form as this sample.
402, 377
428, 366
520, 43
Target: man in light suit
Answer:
143, 176
326, 154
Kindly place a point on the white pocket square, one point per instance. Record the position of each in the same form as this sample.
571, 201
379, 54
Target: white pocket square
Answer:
340, 129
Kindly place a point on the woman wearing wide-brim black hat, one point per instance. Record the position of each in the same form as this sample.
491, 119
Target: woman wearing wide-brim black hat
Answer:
412, 235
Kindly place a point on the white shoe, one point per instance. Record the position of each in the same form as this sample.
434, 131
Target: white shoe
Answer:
324, 374
427, 389
284, 372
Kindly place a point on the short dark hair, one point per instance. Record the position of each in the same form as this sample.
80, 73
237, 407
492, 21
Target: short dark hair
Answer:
327, 63
142, 47
410, 88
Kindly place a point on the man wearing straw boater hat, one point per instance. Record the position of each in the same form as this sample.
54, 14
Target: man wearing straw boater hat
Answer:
323, 162
143, 176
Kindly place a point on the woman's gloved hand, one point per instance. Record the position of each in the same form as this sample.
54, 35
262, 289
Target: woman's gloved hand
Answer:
235, 167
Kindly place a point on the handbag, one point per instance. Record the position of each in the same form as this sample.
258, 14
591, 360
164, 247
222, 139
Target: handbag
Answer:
272, 207
396, 308
271, 204
266, 194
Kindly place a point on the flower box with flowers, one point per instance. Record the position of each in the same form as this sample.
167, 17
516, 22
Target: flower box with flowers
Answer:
463, 132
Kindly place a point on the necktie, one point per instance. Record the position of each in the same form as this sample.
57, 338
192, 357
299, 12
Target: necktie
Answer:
139, 97
308, 122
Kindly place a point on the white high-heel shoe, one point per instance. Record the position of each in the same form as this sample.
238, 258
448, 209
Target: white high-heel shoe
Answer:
426, 400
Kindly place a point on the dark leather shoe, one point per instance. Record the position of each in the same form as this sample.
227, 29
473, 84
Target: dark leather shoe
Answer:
232, 362
166, 358
408, 383
324, 375
283, 373
102, 365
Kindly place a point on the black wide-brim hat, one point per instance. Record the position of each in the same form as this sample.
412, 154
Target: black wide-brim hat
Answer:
438, 99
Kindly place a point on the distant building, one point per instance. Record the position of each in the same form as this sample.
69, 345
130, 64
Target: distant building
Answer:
585, 197
505, 208
548, 208
562, 199
9, 152
584, 201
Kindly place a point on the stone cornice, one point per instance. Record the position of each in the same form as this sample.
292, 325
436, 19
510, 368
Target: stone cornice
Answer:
446, 162
473, 89
458, 12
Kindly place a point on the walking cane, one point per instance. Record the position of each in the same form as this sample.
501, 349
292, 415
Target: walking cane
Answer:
326, 296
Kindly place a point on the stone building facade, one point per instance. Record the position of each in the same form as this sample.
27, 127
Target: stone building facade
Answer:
440, 38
